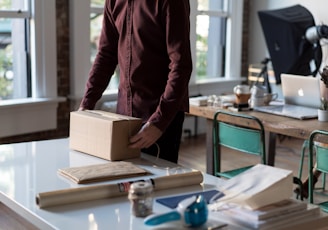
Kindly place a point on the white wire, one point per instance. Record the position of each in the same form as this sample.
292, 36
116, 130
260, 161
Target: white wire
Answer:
158, 151
168, 169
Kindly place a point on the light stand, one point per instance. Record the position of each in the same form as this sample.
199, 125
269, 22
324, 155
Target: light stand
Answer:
265, 75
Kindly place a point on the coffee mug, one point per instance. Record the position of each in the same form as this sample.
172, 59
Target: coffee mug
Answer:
256, 102
268, 97
258, 91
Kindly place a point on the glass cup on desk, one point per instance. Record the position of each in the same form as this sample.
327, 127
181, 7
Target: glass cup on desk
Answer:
217, 102
242, 98
210, 100
213, 100
242, 93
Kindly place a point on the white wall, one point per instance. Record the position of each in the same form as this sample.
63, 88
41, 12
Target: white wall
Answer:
257, 46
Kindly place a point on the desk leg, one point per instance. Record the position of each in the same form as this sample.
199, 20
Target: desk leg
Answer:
209, 147
272, 148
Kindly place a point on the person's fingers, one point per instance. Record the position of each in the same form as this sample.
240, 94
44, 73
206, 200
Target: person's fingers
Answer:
136, 138
143, 142
139, 144
146, 136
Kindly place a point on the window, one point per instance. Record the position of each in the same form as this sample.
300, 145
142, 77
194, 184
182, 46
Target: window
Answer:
217, 25
216, 31
14, 49
96, 17
28, 71
211, 32
28, 49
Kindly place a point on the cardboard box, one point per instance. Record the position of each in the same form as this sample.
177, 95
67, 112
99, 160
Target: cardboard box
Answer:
103, 134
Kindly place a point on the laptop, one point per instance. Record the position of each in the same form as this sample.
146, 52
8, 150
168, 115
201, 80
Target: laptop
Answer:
301, 97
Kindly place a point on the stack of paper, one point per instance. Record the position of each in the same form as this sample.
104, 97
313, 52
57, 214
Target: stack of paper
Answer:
198, 101
258, 186
275, 216
260, 198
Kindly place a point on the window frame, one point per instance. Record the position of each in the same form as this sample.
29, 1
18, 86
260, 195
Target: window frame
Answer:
232, 74
38, 112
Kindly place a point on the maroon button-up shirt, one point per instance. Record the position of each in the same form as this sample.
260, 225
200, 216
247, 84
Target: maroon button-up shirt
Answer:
150, 41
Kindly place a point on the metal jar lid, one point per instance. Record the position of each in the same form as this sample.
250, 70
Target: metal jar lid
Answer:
141, 188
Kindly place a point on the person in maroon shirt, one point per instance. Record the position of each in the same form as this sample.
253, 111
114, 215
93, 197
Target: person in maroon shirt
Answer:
150, 42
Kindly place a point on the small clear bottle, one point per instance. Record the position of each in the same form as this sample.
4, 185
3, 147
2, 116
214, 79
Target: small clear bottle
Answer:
141, 197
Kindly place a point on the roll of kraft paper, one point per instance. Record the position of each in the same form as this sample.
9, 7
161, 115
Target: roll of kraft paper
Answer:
82, 194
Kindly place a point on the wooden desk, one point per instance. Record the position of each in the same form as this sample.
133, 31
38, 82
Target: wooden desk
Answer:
273, 125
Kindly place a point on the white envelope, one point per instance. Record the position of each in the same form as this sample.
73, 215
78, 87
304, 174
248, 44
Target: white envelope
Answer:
259, 186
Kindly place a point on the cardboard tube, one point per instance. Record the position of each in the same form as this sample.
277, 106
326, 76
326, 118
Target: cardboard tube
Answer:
82, 194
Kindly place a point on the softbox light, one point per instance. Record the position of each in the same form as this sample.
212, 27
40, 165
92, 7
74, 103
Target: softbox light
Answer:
284, 31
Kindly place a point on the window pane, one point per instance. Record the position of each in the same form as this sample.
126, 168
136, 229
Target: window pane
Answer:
213, 5
201, 45
13, 5
95, 3
210, 46
95, 29
13, 71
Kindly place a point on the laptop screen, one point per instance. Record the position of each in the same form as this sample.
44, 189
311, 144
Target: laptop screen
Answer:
301, 90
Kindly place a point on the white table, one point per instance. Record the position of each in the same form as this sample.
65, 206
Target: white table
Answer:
29, 168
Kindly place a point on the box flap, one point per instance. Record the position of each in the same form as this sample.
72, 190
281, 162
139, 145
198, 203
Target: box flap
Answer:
107, 115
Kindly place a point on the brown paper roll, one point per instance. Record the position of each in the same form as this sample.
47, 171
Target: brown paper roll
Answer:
177, 180
81, 194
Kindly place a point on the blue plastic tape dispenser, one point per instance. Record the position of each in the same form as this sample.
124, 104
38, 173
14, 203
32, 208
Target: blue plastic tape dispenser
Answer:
192, 211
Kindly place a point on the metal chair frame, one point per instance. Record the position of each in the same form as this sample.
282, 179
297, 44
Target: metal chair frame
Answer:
321, 155
247, 137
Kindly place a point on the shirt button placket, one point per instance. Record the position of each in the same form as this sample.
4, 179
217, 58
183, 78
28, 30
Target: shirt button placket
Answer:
128, 59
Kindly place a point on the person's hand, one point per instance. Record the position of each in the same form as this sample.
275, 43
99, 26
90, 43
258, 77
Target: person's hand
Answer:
146, 136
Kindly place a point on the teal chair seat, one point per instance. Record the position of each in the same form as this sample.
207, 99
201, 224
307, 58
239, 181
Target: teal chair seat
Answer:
245, 134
